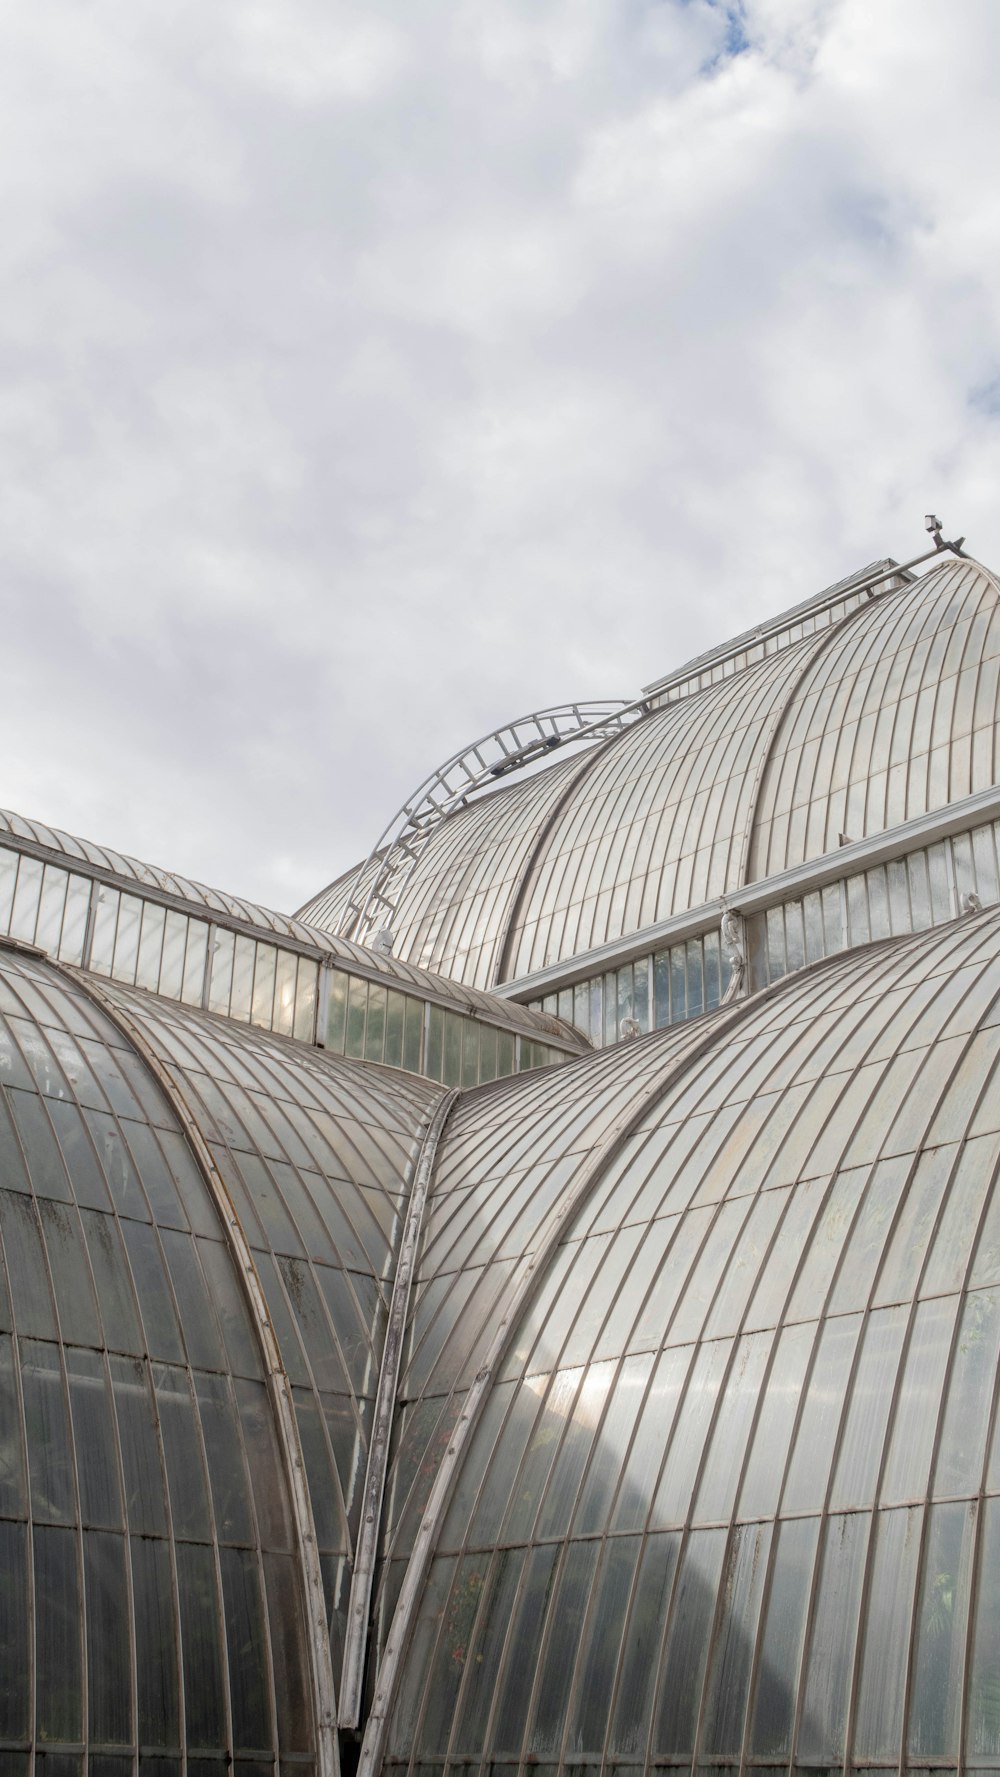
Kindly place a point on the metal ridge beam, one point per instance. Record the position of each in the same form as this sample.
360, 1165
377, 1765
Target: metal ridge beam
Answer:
419, 1173
769, 891
279, 1388
865, 580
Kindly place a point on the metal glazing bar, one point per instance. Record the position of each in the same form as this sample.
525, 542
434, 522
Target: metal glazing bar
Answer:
525, 1280
776, 722
542, 837
279, 1388
420, 1173
410, 979
768, 891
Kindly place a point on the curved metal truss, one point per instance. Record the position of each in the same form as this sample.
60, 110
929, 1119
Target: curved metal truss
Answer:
380, 881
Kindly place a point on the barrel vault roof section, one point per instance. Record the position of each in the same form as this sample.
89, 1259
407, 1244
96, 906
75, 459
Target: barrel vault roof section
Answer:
889, 713
745, 1416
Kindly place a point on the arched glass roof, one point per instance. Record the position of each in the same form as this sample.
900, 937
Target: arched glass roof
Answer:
457, 902
151, 1593
733, 1493
887, 714
314, 1153
895, 717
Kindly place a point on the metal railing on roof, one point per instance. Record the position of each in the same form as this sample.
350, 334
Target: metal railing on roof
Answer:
380, 881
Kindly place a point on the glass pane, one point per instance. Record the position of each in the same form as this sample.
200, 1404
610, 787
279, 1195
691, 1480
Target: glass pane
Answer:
830, 1657
242, 988
641, 1642
357, 1003
150, 946
15, 1630
95, 1440
284, 991
108, 1640
58, 1675
336, 1015
247, 1645
413, 1034
970, 1394
983, 1715
50, 1458
262, 998
201, 1629
685, 1654
156, 1647
306, 996
394, 1011
887, 1634
172, 960
942, 1618
375, 1028
195, 958
781, 1646
221, 963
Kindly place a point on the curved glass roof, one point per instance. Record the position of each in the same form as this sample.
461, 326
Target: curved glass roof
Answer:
151, 1593
895, 717
888, 713
314, 1153
457, 902
738, 1467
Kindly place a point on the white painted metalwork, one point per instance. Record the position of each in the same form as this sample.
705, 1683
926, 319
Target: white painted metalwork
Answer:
526, 1278
381, 880
279, 1388
769, 891
359, 1605
881, 573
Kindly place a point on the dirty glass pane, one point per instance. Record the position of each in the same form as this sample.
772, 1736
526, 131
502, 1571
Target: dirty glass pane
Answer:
942, 1617
887, 1634
58, 1650
108, 1639
773, 1712
687, 1646
16, 1651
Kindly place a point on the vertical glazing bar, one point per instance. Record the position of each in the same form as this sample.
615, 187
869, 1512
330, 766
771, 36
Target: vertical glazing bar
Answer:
206, 981
88, 931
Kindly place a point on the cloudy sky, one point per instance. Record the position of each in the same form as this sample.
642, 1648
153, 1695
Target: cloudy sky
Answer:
372, 374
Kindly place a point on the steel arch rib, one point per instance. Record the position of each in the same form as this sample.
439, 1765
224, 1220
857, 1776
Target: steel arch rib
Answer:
523, 1284
823, 641
421, 1171
545, 831
485, 762
279, 1388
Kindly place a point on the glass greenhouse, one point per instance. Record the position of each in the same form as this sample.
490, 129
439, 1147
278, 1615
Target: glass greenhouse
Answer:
537, 1309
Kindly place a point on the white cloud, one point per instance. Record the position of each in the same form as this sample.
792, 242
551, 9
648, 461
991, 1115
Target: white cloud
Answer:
370, 375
